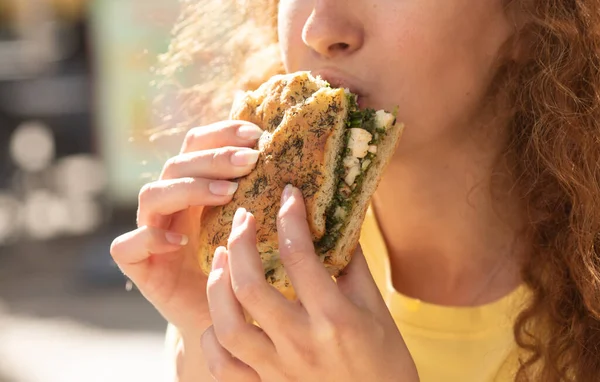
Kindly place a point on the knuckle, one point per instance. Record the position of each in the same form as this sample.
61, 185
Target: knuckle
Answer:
219, 368
281, 318
150, 238
189, 190
231, 126
379, 331
146, 192
296, 258
230, 337
298, 255
115, 247
250, 292
235, 240
169, 167
327, 332
336, 328
305, 353
206, 336
191, 137
215, 279
220, 156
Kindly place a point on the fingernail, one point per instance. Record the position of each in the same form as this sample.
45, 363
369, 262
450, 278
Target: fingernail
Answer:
239, 218
176, 238
287, 193
219, 259
244, 157
222, 187
249, 132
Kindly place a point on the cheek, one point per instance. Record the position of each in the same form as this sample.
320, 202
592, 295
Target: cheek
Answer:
443, 68
291, 19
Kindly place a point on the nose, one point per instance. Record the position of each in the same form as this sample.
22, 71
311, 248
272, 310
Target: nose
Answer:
332, 31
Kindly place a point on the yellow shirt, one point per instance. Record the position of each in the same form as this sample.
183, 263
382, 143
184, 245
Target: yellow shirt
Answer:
448, 344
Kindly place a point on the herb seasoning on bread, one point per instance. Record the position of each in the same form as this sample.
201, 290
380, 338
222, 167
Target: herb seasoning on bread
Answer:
317, 139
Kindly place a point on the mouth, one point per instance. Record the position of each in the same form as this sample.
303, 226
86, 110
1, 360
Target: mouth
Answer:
340, 80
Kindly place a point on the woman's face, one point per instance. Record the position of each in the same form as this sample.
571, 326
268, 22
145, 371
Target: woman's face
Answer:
434, 59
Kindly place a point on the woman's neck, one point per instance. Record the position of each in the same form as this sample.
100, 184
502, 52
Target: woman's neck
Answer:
452, 229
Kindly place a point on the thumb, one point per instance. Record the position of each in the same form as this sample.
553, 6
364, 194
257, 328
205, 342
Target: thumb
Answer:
358, 285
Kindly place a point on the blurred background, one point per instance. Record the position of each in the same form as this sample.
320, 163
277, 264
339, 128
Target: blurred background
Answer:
75, 100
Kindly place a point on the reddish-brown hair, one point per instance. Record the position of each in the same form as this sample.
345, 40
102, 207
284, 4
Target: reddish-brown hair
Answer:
554, 152
553, 89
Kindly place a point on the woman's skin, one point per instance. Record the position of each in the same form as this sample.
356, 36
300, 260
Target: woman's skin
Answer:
436, 60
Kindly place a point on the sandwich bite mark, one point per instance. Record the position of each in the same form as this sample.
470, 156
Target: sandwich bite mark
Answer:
364, 130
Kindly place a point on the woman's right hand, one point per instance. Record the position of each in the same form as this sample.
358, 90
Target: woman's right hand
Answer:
160, 255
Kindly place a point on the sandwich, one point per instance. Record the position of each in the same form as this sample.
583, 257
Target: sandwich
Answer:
317, 139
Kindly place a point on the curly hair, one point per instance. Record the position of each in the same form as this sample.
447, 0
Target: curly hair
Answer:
553, 90
217, 50
554, 151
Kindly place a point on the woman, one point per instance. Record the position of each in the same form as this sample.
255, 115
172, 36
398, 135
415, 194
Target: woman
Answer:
483, 237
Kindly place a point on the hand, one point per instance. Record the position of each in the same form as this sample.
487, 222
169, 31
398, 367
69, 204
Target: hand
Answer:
160, 256
337, 332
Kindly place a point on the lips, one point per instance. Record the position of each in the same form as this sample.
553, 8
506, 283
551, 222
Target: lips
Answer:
340, 80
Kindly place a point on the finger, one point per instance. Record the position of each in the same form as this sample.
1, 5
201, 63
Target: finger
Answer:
221, 364
313, 284
358, 285
221, 163
224, 133
267, 306
130, 250
243, 340
135, 246
166, 197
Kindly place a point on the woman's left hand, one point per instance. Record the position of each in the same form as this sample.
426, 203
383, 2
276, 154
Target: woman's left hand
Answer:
338, 332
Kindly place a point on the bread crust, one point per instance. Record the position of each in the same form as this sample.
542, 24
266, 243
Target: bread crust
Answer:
304, 123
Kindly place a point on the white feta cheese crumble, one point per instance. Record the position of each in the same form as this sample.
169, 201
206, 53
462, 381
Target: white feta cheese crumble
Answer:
358, 142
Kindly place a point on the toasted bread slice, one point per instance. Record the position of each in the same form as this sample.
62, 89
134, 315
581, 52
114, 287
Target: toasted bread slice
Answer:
306, 137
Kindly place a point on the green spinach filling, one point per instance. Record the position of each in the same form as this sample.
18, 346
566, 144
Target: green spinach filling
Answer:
345, 196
